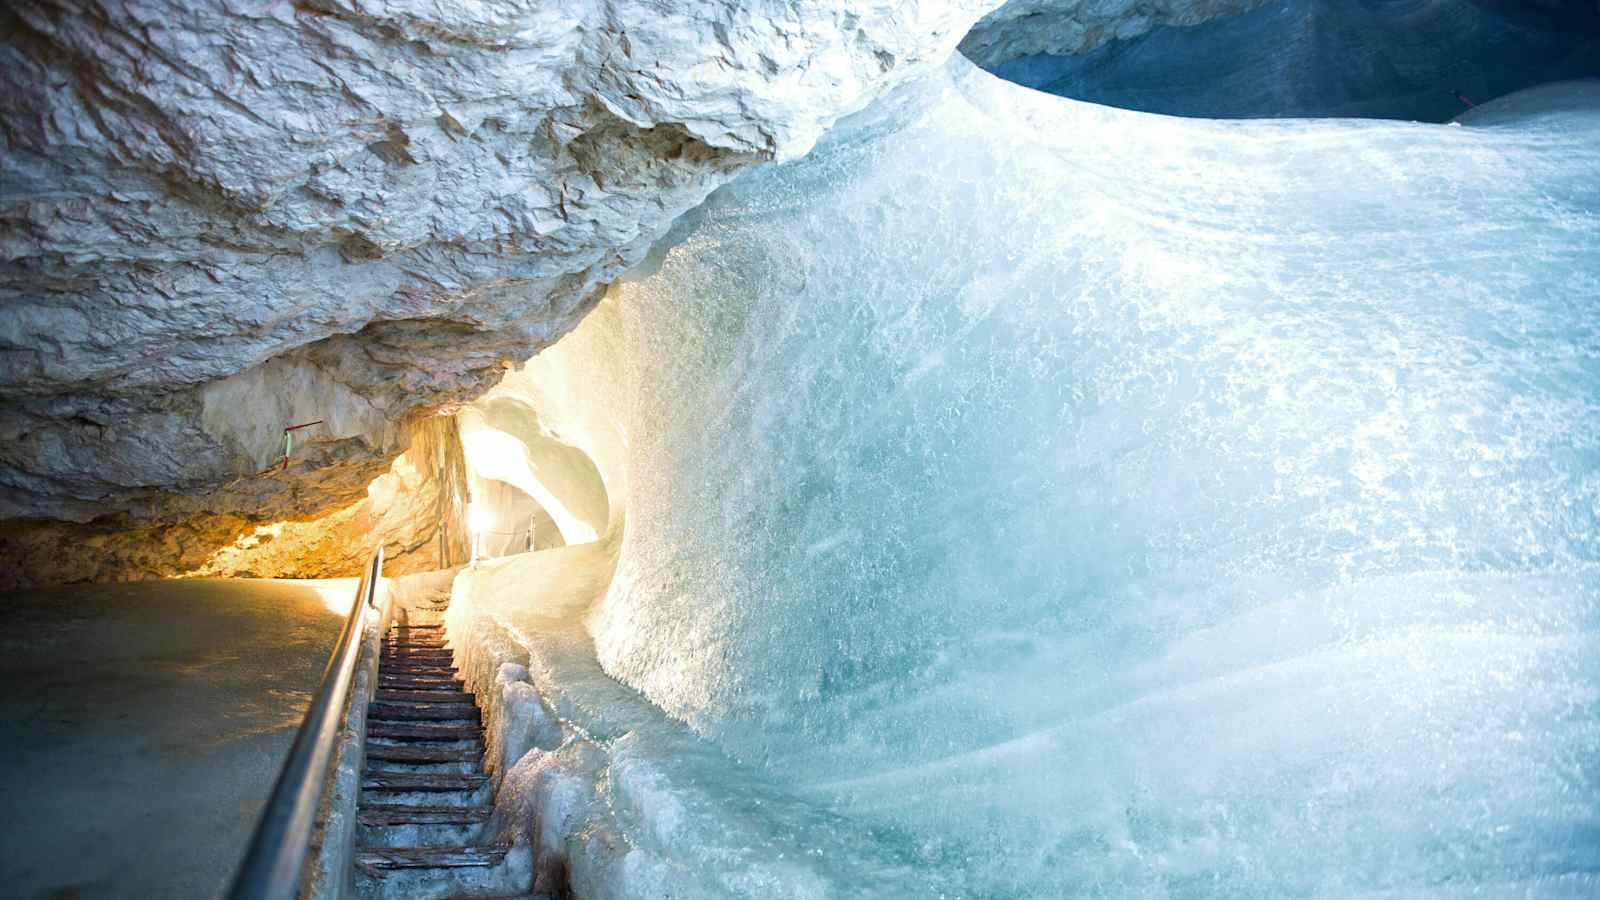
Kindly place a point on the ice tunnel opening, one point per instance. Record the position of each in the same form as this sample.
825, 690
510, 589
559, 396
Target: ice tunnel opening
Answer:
522, 478
1420, 60
513, 521
544, 445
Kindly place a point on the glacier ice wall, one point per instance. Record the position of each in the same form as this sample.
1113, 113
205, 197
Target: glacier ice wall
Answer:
1091, 502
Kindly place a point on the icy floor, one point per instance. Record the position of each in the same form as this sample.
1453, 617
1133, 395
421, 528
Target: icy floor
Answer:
141, 726
1066, 501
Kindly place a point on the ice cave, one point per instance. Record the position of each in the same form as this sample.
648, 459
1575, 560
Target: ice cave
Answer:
786, 449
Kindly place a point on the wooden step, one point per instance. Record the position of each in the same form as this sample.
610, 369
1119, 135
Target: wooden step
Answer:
421, 683
419, 665
401, 753
404, 814
429, 731
413, 671
430, 857
430, 782
411, 686
415, 645
401, 695
421, 712
418, 655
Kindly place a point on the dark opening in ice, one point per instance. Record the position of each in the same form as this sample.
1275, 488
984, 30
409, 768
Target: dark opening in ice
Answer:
1425, 60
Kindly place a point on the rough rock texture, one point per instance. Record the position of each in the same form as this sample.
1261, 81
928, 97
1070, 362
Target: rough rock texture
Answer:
220, 219
1061, 27
403, 507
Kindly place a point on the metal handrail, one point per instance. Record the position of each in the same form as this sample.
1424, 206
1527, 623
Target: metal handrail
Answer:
277, 855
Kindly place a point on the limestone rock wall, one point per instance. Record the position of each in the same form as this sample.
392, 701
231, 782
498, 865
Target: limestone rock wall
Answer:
219, 219
404, 506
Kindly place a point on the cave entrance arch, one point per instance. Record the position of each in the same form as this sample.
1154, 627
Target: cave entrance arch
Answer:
508, 449
516, 522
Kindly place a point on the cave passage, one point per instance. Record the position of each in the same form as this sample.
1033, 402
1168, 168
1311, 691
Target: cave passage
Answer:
514, 522
1422, 60
882, 479
141, 727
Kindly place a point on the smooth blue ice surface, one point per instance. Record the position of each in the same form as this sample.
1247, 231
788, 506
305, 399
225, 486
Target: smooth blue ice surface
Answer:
1081, 502
1395, 59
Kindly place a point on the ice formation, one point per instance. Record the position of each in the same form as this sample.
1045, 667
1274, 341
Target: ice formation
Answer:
1414, 59
1023, 498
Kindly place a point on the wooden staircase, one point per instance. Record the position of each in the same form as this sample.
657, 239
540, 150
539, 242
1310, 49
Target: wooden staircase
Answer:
424, 796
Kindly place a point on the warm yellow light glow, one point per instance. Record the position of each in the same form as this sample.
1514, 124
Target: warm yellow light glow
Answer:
382, 490
335, 593
494, 454
477, 518
220, 561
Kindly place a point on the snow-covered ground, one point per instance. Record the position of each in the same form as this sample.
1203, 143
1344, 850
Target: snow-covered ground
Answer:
1037, 499
141, 727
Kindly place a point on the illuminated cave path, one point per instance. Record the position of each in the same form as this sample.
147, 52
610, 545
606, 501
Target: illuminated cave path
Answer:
142, 724
425, 800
